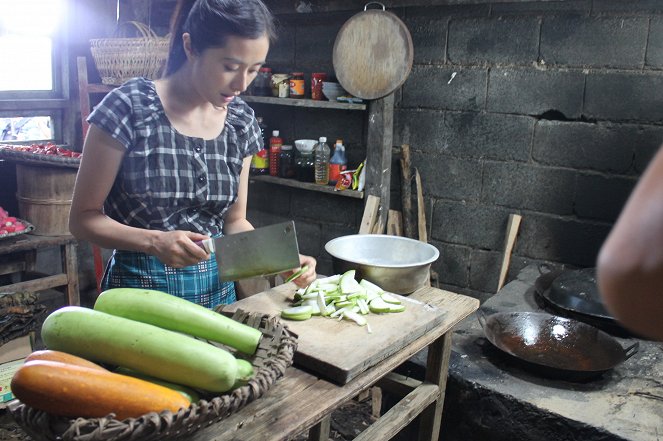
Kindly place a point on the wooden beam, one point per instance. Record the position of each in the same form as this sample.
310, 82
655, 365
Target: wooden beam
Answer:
406, 192
421, 209
370, 216
379, 141
511, 232
395, 223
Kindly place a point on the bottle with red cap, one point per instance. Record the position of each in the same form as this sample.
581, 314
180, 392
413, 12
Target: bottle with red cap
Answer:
275, 143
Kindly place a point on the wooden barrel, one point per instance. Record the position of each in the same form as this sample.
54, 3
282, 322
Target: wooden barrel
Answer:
44, 197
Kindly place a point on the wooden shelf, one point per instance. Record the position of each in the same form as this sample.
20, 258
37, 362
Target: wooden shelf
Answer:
306, 186
294, 102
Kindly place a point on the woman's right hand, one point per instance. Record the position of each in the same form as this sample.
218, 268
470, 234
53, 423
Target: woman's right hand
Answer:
179, 248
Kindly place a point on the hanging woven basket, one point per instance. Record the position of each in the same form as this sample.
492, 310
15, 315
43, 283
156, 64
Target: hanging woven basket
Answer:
121, 58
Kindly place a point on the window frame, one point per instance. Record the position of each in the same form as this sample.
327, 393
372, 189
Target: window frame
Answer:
55, 102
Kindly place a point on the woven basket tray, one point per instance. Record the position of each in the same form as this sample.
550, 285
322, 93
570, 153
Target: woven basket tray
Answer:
273, 356
39, 158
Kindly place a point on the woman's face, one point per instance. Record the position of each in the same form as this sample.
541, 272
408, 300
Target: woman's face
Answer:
219, 74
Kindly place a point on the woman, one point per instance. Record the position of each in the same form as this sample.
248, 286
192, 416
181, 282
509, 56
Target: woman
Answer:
166, 162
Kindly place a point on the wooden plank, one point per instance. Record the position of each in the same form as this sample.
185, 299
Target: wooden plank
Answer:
12, 267
379, 139
406, 192
401, 414
320, 432
322, 346
329, 189
437, 367
37, 284
370, 216
27, 242
421, 209
511, 232
70, 266
295, 102
394, 223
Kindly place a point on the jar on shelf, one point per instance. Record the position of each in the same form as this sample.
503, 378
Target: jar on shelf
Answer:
281, 85
317, 79
297, 85
286, 162
262, 85
305, 167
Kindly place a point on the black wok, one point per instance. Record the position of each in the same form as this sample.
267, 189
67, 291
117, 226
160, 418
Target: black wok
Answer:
554, 346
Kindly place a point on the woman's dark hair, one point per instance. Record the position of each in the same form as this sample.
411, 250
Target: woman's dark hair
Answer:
211, 22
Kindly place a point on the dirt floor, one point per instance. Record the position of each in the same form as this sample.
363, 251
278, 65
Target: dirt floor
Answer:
346, 423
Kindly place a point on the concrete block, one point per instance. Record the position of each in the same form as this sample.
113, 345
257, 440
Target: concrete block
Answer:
601, 147
488, 136
504, 40
581, 41
652, 137
602, 197
561, 239
449, 178
269, 198
429, 38
534, 92
629, 7
560, 6
282, 51
453, 265
470, 224
624, 96
485, 269
421, 129
446, 88
528, 187
654, 56
315, 42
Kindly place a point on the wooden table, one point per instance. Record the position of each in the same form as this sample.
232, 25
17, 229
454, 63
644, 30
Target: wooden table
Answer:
302, 401
18, 254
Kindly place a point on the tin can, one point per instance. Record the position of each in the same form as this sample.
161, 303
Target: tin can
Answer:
297, 85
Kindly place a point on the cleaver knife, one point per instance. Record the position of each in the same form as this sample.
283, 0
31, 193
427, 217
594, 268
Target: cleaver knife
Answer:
260, 252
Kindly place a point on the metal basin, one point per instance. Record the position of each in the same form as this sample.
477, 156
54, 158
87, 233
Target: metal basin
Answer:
396, 264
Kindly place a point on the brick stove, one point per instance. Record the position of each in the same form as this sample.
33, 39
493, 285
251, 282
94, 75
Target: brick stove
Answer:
489, 397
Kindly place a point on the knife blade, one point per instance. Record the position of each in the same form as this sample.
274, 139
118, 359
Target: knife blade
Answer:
259, 252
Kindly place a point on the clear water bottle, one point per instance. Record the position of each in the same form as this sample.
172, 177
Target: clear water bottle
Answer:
321, 154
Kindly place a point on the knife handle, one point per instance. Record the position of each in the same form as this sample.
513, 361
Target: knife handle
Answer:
207, 245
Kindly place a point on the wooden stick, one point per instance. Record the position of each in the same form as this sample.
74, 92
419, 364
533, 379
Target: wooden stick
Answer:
421, 209
394, 223
370, 214
511, 233
406, 192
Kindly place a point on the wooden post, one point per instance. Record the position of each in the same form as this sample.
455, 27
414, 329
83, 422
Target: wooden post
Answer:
406, 192
511, 233
421, 209
379, 141
394, 223
370, 216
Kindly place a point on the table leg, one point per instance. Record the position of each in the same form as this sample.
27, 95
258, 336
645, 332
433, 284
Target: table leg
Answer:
320, 432
70, 267
437, 368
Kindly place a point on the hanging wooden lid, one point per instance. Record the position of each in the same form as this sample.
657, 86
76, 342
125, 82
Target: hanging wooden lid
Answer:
373, 53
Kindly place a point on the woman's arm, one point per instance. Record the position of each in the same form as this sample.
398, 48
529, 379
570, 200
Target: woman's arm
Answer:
99, 167
630, 262
236, 222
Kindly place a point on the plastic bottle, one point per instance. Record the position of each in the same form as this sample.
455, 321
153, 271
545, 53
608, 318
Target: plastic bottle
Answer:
260, 161
286, 162
338, 162
275, 143
321, 154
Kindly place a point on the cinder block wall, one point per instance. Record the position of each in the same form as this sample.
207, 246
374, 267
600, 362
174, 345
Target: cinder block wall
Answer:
546, 109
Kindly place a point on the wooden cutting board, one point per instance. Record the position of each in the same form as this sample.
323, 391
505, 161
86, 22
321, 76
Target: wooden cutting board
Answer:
341, 350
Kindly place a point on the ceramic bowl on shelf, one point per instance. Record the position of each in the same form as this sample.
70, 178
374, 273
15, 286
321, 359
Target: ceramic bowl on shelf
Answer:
332, 90
305, 145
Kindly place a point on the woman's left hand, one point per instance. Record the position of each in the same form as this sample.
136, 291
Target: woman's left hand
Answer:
307, 276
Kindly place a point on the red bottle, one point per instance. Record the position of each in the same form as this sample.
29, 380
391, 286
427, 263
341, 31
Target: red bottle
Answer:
275, 144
